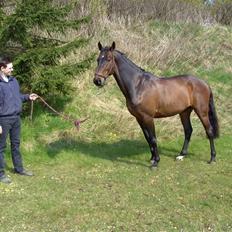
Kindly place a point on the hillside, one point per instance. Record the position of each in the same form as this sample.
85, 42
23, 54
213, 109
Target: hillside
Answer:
164, 49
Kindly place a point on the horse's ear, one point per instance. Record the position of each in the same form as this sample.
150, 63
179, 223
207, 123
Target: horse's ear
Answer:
113, 46
99, 46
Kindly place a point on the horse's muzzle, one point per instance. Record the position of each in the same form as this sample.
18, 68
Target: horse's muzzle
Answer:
98, 81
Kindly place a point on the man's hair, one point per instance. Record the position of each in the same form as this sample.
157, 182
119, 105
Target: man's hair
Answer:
4, 61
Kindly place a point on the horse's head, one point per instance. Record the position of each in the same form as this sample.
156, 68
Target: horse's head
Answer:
105, 64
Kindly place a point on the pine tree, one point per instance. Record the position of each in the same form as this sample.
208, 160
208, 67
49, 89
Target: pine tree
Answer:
36, 56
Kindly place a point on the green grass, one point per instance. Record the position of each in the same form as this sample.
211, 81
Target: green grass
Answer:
108, 186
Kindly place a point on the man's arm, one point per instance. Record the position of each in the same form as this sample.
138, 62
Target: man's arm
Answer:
24, 97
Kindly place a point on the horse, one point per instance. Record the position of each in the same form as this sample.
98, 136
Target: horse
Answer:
148, 97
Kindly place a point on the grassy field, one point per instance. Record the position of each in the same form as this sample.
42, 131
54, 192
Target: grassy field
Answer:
108, 186
99, 179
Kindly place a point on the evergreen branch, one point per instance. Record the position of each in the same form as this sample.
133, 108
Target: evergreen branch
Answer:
39, 41
48, 56
74, 69
55, 79
67, 70
41, 14
75, 24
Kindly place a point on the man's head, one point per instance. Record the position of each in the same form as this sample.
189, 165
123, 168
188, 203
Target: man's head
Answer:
6, 66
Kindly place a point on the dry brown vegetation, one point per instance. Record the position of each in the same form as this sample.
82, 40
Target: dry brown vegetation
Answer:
192, 11
163, 48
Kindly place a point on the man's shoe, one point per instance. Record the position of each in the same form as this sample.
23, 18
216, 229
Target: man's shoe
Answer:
4, 179
25, 173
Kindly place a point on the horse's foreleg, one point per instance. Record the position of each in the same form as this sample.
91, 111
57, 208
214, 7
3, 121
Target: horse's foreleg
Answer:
148, 129
185, 119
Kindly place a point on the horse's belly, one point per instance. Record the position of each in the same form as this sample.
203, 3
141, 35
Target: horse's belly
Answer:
163, 114
167, 110
156, 107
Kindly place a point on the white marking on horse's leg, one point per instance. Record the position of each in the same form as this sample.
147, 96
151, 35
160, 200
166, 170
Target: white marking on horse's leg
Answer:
152, 161
180, 157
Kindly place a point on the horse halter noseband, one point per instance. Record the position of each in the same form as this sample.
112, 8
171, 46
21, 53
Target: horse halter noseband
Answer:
99, 75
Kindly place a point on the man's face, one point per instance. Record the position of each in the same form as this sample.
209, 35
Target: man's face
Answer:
8, 69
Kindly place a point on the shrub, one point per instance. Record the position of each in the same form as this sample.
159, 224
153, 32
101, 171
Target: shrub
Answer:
29, 34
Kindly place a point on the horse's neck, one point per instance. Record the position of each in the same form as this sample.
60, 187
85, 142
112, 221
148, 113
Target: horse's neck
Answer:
126, 75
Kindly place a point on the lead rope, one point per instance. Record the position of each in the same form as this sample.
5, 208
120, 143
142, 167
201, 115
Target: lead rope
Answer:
76, 122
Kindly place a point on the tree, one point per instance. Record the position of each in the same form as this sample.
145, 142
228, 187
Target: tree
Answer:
27, 34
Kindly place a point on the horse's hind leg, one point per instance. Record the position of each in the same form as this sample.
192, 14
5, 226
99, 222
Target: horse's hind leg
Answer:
148, 129
185, 119
209, 131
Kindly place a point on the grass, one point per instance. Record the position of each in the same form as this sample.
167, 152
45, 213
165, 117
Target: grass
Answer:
88, 186
99, 179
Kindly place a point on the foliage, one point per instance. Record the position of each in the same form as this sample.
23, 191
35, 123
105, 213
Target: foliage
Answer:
40, 69
29, 35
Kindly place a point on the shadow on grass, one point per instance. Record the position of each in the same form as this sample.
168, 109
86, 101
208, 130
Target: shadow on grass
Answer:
120, 151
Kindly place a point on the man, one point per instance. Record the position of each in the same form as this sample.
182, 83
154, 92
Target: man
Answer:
10, 108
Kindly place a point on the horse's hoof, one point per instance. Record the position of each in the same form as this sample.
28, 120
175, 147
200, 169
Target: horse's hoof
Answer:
154, 164
180, 158
212, 161
153, 167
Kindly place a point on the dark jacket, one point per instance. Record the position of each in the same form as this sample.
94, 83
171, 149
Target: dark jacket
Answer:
10, 98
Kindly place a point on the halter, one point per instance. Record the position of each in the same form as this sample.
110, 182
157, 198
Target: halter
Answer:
99, 75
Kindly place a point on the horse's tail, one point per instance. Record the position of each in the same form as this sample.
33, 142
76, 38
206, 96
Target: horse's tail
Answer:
213, 116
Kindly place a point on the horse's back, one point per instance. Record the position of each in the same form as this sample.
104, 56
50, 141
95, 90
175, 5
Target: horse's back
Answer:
167, 96
188, 83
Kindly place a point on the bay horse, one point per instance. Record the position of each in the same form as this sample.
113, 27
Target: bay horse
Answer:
149, 97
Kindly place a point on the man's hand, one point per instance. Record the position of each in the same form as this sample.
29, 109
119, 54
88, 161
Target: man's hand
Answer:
33, 96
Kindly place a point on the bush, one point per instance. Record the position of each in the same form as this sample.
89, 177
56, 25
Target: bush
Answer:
223, 13
192, 11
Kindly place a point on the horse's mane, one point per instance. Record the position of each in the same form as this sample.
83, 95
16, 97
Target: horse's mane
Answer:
131, 63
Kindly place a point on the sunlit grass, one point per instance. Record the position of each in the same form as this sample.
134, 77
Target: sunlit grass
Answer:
105, 186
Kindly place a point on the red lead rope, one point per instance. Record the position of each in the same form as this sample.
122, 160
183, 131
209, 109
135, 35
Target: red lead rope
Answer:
76, 122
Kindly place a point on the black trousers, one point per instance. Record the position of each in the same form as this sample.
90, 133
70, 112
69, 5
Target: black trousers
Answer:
11, 126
